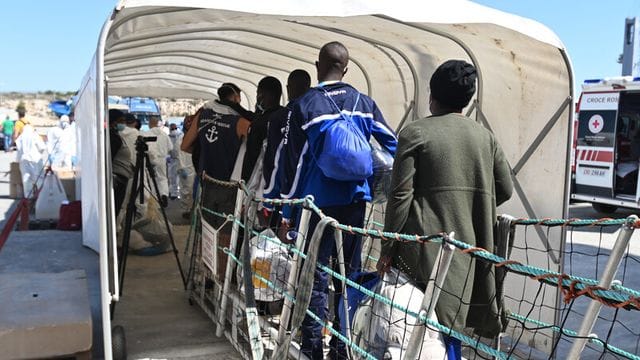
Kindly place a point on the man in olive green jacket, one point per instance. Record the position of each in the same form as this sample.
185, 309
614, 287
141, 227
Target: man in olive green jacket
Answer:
449, 175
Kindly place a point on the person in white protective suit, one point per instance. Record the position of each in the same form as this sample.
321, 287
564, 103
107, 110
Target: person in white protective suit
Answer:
186, 172
129, 135
173, 165
158, 153
30, 149
55, 143
70, 143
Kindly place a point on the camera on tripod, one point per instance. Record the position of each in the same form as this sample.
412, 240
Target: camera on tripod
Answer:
141, 142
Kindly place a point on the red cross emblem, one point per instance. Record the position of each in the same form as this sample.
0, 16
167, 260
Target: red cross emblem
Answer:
596, 123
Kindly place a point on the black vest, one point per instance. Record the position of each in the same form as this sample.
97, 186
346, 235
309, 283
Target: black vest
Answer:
219, 143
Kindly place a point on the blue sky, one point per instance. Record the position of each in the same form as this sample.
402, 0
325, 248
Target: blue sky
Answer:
47, 45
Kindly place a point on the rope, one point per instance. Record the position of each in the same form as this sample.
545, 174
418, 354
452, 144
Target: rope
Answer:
224, 184
423, 318
572, 286
576, 222
593, 340
315, 317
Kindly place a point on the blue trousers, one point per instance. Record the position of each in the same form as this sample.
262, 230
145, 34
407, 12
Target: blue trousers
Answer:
7, 142
353, 215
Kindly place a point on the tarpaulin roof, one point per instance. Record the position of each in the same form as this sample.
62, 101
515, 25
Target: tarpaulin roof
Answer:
187, 48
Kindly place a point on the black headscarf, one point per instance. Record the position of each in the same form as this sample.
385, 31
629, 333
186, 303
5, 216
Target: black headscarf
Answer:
454, 83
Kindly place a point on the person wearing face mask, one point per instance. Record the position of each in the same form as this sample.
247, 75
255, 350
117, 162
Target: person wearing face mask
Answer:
129, 134
55, 142
158, 153
172, 162
121, 166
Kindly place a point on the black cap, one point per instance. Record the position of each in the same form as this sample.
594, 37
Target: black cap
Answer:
453, 83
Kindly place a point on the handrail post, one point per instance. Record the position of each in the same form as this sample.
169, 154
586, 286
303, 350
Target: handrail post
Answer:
345, 300
431, 295
237, 213
301, 239
608, 274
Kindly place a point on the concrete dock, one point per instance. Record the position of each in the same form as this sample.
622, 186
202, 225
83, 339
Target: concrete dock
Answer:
154, 310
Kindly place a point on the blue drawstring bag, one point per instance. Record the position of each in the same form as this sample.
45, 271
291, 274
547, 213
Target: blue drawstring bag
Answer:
346, 153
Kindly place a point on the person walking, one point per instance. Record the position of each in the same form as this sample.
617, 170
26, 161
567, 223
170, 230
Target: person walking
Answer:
30, 149
318, 161
173, 162
449, 175
7, 131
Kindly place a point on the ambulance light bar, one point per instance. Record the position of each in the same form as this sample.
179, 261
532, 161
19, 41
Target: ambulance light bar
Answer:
619, 82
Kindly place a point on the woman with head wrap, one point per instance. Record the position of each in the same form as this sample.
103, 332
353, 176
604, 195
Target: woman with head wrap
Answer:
449, 175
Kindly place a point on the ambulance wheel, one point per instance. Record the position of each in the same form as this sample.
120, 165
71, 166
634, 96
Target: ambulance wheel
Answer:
118, 343
604, 208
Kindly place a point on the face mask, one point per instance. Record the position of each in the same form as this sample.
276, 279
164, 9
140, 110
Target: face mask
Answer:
121, 127
173, 132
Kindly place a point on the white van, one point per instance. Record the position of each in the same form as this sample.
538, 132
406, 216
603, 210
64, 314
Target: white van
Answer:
607, 144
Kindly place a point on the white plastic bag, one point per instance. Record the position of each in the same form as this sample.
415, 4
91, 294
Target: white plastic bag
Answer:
385, 331
50, 198
270, 261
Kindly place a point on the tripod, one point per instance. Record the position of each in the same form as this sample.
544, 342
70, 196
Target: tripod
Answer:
137, 189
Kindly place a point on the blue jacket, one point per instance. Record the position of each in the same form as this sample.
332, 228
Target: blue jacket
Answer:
303, 139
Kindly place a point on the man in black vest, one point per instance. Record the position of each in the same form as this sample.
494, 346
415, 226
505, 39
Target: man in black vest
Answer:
218, 133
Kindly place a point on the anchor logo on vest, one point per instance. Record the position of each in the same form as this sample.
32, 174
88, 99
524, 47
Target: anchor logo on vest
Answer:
212, 133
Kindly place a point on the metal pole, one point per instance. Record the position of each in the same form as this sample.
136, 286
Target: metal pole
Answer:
609, 273
345, 302
430, 299
293, 273
230, 264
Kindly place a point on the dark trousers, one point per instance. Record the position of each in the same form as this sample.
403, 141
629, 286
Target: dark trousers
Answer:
119, 191
353, 215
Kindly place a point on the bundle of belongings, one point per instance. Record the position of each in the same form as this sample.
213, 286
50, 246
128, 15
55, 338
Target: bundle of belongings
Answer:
149, 235
269, 261
382, 330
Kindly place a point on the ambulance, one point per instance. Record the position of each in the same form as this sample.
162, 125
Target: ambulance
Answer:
607, 144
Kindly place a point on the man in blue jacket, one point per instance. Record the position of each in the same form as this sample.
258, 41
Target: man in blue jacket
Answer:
311, 117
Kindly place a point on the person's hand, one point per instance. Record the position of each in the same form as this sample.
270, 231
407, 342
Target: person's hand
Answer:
284, 228
384, 265
264, 217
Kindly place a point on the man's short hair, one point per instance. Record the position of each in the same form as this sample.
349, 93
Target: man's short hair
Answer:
453, 84
271, 85
228, 89
299, 77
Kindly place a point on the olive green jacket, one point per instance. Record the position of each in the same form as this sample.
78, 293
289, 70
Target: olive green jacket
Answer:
449, 174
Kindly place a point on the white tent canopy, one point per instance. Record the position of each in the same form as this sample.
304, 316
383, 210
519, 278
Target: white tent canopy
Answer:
186, 49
